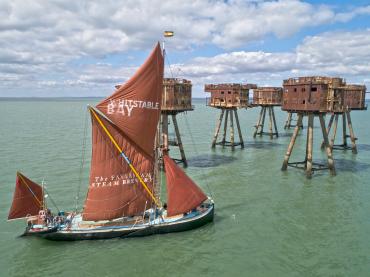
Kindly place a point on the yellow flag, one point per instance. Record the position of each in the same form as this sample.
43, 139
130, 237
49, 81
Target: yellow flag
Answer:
168, 34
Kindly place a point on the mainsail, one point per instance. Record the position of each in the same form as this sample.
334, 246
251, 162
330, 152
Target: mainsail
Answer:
135, 106
130, 116
183, 194
27, 199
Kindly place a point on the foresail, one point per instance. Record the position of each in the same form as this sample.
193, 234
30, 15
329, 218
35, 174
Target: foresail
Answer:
114, 191
183, 194
27, 199
135, 106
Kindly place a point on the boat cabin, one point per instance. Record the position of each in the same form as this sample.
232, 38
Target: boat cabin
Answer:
268, 96
176, 95
228, 95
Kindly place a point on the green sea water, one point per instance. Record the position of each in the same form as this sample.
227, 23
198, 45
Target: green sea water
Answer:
267, 222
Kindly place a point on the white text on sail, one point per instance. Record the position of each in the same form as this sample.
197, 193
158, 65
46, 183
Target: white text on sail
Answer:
125, 106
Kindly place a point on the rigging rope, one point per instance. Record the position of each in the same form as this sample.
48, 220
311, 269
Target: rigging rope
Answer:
168, 63
82, 161
51, 198
204, 177
191, 135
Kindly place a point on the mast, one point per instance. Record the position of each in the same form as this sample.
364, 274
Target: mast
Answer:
43, 196
157, 174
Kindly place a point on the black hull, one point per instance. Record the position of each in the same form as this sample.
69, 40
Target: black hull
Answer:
176, 226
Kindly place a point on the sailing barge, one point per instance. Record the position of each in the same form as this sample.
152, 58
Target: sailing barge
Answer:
121, 199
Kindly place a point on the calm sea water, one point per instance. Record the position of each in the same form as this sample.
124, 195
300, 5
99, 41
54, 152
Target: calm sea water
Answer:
267, 223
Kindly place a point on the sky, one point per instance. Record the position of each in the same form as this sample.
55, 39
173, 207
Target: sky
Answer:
68, 48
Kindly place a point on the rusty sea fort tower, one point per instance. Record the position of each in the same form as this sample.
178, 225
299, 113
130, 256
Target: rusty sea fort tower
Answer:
228, 98
176, 99
267, 98
315, 97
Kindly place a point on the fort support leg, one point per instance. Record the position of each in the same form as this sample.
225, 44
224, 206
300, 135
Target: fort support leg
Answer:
232, 130
274, 120
258, 123
309, 146
328, 129
291, 144
306, 157
179, 142
217, 128
300, 124
344, 128
165, 131
329, 151
334, 131
288, 122
263, 120
352, 134
239, 130
225, 128
270, 123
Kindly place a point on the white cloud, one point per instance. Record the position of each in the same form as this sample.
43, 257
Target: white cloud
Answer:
281, 18
343, 54
337, 52
346, 16
40, 40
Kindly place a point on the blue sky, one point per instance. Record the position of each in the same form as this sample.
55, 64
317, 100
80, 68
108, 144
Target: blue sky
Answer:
83, 48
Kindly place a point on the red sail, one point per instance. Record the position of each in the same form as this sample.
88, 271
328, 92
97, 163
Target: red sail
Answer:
27, 199
183, 194
135, 106
114, 191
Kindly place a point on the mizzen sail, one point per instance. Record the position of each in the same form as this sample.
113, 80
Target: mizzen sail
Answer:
135, 106
27, 199
183, 194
